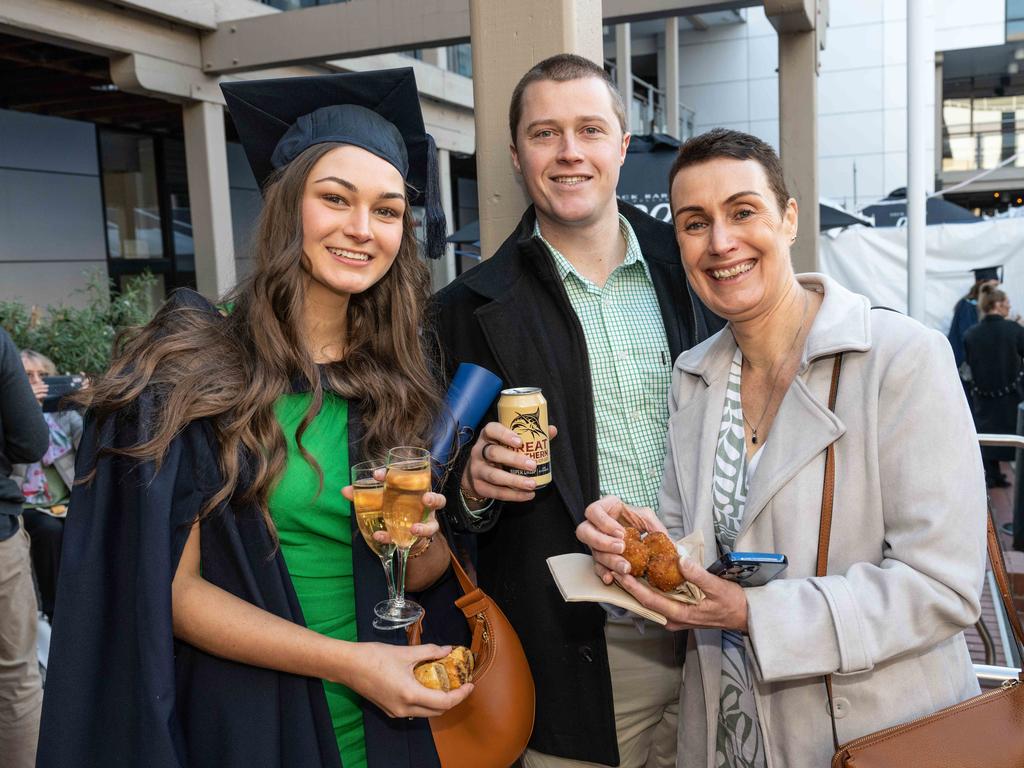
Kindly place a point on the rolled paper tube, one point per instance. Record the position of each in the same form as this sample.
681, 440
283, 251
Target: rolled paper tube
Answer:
470, 395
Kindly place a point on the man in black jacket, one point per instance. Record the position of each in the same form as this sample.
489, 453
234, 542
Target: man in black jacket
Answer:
587, 300
24, 438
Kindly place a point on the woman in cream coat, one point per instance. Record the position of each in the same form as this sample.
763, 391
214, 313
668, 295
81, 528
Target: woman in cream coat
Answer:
907, 554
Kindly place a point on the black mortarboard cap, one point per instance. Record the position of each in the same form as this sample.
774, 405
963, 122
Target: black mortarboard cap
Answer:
277, 119
989, 273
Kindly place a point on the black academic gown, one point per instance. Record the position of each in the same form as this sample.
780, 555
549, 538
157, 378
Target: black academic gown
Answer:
121, 691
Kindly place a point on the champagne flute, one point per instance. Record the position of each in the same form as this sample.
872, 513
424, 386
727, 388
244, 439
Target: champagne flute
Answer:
407, 479
368, 501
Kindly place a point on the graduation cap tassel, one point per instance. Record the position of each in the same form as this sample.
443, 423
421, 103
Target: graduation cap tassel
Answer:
434, 221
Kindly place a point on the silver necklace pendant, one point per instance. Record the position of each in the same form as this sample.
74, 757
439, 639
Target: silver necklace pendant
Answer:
753, 438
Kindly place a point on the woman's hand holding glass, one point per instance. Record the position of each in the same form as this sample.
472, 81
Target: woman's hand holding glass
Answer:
724, 605
367, 495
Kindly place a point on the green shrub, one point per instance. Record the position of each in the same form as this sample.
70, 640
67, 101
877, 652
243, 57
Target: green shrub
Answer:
80, 339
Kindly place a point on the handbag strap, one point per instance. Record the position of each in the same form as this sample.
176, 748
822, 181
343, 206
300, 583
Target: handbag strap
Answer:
995, 556
995, 552
414, 632
825, 527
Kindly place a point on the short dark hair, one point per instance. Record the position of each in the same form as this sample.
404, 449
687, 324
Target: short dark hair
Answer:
561, 68
721, 142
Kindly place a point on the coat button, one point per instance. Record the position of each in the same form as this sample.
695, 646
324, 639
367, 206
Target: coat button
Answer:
586, 653
842, 707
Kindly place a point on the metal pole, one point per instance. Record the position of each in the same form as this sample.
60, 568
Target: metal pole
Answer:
919, 81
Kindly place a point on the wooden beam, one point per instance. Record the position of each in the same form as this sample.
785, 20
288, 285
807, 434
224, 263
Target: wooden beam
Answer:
99, 27
697, 22
333, 31
362, 28
194, 13
619, 11
791, 15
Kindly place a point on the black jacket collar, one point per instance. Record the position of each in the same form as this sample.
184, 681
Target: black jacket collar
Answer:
494, 277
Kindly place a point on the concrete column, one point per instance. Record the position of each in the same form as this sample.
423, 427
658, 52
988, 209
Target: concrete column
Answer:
920, 79
624, 68
537, 29
672, 77
442, 271
798, 137
209, 199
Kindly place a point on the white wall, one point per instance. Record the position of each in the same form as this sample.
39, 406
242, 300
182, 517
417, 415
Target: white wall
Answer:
728, 74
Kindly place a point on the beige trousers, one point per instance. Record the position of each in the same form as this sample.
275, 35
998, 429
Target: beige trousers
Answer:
645, 689
21, 696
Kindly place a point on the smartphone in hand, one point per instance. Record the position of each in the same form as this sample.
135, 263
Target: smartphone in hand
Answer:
749, 569
60, 387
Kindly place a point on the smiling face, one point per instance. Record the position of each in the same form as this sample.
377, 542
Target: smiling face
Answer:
569, 148
352, 208
733, 239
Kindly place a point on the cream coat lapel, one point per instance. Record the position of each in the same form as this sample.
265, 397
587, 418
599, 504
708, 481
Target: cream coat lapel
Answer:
801, 431
693, 430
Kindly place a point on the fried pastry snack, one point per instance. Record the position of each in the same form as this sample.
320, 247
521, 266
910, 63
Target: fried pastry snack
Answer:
654, 557
663, 572
658, 543
449, 673
636, 552
433, 675
459, 666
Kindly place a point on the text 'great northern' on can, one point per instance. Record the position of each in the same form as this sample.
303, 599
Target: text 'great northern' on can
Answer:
525, 411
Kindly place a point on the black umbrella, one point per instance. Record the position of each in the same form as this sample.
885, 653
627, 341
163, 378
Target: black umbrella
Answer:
833, 216
892, 212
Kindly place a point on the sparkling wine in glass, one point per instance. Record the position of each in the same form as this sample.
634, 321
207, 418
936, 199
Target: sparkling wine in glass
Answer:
407, 479
368, 503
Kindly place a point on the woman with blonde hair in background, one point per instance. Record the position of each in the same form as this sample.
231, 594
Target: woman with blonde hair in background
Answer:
47, 483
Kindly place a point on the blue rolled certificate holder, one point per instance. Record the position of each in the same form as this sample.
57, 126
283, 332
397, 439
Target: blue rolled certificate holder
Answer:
470, 395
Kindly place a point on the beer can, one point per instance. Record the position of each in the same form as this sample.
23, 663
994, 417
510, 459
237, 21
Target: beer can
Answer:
525, 411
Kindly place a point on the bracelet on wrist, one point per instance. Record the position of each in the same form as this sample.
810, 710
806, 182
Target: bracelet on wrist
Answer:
472, 498
426, 545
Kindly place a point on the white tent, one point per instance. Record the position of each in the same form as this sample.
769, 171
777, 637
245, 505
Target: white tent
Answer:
873, 261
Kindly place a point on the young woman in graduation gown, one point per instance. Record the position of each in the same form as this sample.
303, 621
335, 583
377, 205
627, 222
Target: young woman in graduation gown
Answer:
216, 598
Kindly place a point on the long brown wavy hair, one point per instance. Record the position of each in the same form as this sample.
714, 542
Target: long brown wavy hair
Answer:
231, 367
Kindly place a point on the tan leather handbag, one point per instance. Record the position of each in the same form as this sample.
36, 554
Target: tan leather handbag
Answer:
986, 731
491, 728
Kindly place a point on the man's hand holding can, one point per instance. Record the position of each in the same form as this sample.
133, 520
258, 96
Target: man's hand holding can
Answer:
486, 476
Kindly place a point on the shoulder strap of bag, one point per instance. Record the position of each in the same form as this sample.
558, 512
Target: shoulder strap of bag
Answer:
414, 632
995, 552
825, 527
995, 556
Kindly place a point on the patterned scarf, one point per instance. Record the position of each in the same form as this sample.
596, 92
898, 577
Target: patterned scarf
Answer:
35, 488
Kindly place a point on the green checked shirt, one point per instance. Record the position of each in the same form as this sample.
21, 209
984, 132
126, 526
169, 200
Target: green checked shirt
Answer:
630, 371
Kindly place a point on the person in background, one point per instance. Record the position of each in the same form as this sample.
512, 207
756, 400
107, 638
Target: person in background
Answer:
587, 300
23, 438
966, 313
994, 351
47, 483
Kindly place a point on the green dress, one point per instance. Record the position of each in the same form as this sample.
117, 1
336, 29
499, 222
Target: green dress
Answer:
314, 526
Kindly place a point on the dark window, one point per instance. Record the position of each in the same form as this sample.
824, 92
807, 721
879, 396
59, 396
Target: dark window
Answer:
145, 201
